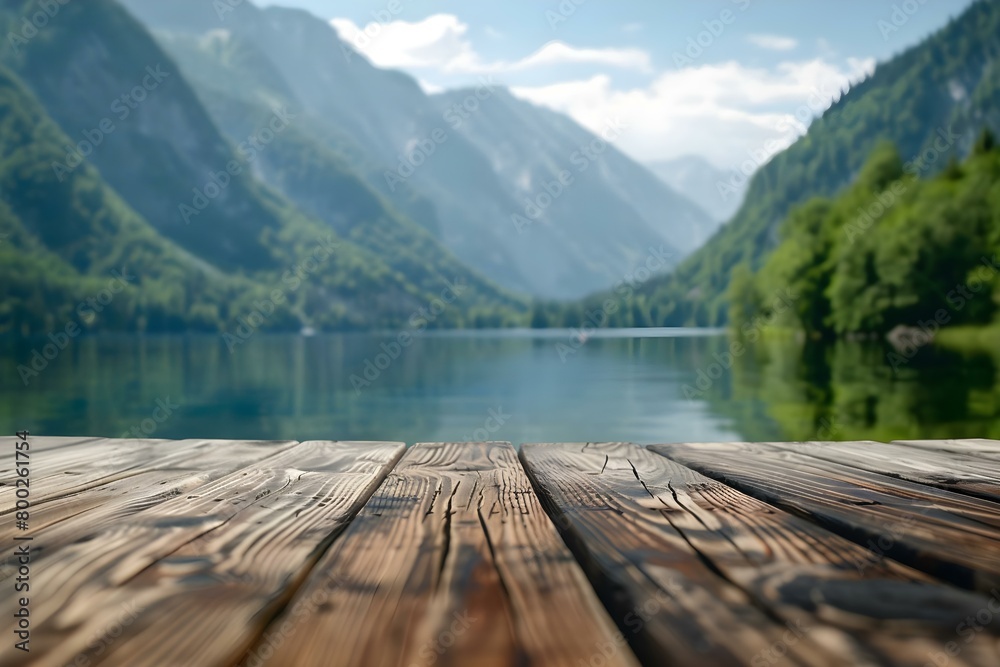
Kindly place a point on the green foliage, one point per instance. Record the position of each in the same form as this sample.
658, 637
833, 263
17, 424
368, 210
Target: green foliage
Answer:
893, 250
64, 238
985, 143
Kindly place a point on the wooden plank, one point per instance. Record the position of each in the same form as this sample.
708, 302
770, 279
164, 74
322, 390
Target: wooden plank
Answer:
186, 465
200, 575
47, 442
730, 574
62, 471
988, 449
76, 518
956, 472
953, 537
452, 562
65, 471
58, 496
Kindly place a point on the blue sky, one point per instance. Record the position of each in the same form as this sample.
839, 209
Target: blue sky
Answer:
761, 69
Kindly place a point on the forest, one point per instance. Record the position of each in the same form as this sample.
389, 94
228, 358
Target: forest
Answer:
893, 250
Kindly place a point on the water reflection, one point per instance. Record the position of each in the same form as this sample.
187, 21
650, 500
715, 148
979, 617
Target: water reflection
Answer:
508, 385
850, 391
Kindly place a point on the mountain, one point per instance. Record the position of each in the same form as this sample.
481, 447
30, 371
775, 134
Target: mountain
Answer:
239, 90
943, 91
124, 108
224, 48
700, 181
72, 239
529, 148
96, 67
382, 124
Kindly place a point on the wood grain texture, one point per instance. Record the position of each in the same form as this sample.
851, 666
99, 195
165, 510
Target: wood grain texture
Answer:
451, 562
184, 466
61, 471
211, 553
958, 472
730, 574
46, 442
194, 580
988, 449
954, 537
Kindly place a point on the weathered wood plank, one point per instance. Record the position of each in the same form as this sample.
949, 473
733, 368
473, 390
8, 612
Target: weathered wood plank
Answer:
956, 472
953, 537
64, 471
452, 562
185, 465
989, 449
200, 575
74, 508
61, 471
728, 572
47, 442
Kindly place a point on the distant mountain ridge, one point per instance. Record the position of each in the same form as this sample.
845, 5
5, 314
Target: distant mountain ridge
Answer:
570, 184
504, 200
706, 185
930, 103
381, 122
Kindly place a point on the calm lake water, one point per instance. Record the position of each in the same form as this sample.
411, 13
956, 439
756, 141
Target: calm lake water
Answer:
523, 386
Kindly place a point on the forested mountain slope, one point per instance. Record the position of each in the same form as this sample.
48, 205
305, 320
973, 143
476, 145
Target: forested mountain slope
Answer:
123, 120
65, 241
413, 149
930, 102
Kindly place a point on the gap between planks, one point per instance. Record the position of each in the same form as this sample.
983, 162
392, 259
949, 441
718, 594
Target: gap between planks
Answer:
451, 562
211, 566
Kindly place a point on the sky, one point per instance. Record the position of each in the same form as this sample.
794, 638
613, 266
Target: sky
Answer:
726, 80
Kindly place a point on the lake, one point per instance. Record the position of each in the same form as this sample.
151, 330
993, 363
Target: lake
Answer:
645, 386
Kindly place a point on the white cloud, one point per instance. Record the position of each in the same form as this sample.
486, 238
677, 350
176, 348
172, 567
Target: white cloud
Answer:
632, 27
433, 42
721, 111
439, 42
773, 42
558, 53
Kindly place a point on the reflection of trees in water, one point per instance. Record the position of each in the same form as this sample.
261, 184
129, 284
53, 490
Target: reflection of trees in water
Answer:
273, 387
300, 388
939, 394
847, 391
290, 387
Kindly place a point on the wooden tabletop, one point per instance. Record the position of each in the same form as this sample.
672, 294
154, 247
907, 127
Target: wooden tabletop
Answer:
203, 553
